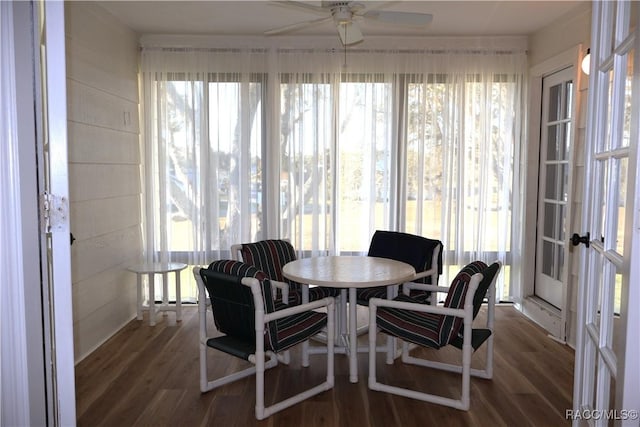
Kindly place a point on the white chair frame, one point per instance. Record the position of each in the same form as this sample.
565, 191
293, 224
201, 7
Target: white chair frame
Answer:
465, 369
258, 359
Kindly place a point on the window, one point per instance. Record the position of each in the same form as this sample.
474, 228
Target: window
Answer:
326, 157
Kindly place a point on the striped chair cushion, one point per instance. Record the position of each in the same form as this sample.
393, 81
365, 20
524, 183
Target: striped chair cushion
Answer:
450, 325
411, 326
270, 256
294, 329
423, 297
319, 292
363, 295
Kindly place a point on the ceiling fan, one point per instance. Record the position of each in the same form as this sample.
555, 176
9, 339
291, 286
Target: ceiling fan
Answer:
345, 14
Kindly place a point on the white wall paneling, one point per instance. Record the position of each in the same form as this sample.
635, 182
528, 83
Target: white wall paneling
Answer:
104, 172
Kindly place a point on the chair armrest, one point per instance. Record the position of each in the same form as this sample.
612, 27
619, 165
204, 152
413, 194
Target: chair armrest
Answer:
407, 286
254, 284
424, 308
284, 288
236, 252
203, 303
425, 287
426, 273
324, 302
465, 313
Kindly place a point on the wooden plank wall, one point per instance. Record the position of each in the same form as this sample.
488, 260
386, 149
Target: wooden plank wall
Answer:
104, 172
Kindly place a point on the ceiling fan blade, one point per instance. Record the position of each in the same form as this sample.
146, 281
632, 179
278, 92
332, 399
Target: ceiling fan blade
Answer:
405, 18
349, 33
300, 5
296, 26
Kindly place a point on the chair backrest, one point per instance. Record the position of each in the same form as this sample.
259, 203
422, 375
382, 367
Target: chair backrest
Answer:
450, 326
233, 303
488, 276
269, 256
410, 248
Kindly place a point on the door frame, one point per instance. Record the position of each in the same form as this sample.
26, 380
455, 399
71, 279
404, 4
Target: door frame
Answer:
550, 318
42, 354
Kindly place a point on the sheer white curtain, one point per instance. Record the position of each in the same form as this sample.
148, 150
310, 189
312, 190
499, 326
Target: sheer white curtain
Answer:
420, 141
463, 112
336, 136
204, 145
245, 144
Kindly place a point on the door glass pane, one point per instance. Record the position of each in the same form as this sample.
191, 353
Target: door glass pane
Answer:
607, 142
603, 192
568, 100
551, 188
549, 220
628, 90
559, 234
564, 182
618, 294
608, 37
555, 103
622, 203
555, 142
547, 258
563, 150
560, 262
595, 307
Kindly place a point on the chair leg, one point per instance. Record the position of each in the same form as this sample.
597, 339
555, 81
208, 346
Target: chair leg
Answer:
284, 357
391, 349
263, 412
373, 383
206, 385
305, 345
462, 403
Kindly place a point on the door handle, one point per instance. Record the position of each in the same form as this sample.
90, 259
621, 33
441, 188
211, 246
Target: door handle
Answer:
576, 239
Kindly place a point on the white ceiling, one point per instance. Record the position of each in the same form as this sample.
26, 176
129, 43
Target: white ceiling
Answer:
252, 18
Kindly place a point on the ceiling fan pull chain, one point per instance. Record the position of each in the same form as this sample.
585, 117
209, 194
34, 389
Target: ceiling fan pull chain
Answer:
345, 49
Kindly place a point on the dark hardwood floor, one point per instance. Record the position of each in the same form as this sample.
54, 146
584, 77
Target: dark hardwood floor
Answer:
148, 376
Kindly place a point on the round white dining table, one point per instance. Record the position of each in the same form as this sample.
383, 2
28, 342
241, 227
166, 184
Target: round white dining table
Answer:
349, 272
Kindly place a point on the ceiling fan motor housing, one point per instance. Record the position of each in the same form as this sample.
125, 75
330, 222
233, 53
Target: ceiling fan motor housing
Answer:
342, 13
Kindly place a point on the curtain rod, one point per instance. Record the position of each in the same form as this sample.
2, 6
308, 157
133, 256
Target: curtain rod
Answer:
441, 51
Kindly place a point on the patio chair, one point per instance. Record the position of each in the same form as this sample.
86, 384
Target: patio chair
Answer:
425, 255
437, 326
253, 326
270, 256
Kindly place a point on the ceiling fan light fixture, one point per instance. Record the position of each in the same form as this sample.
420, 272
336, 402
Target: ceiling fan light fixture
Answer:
342, 15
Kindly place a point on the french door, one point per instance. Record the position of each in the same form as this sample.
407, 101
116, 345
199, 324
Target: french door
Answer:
53, 187
607, 374
554, 186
